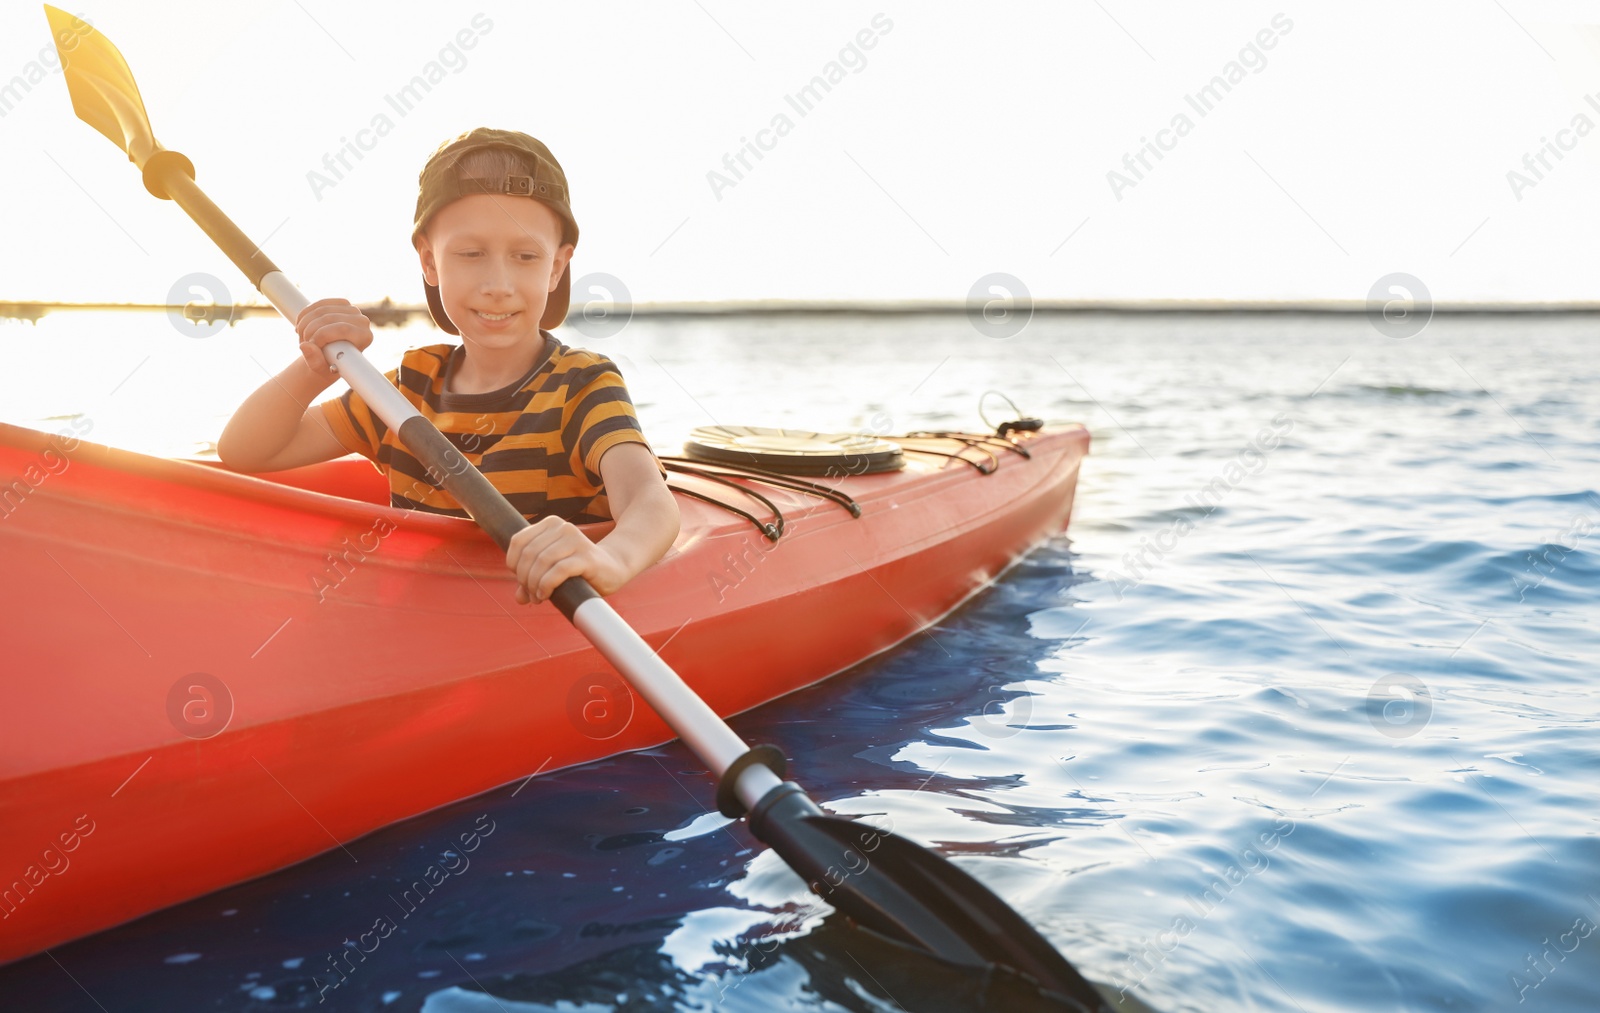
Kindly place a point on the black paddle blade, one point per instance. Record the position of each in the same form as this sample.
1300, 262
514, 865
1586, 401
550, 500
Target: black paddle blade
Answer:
908, 893
103, 91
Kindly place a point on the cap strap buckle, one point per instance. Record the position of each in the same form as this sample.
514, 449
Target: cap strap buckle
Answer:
512, 186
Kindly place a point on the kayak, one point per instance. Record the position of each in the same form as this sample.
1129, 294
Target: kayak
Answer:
213, 676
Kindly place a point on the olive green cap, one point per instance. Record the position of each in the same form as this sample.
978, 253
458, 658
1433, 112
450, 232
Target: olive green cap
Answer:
440, 183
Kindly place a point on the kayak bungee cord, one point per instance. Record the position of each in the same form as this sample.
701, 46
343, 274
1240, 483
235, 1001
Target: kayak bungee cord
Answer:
774, 529
970, 439
694, 466
885, 883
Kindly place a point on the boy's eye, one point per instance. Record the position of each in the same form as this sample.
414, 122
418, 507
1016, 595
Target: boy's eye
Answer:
525, 257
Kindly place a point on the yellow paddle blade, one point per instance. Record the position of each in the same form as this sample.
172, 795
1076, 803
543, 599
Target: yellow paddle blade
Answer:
103, 92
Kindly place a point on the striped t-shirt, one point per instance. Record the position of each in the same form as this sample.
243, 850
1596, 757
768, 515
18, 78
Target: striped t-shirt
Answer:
538, 440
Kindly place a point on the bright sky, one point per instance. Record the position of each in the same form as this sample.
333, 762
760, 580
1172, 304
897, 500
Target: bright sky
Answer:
1370, 138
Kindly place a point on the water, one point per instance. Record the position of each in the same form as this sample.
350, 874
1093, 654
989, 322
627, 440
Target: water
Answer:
1329, 744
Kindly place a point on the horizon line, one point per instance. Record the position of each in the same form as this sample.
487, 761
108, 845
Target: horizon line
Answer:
386, 311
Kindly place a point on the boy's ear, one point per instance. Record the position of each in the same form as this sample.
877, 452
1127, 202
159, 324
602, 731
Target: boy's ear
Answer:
430, 270
562, 259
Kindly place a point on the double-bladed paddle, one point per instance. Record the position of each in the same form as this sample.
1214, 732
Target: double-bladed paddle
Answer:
884, 882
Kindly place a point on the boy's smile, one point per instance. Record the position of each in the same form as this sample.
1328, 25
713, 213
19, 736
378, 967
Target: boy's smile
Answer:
495, 259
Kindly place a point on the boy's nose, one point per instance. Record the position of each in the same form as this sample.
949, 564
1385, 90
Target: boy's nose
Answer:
497, 279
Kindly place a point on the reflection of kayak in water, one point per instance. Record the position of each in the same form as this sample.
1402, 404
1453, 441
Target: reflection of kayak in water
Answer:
230, 673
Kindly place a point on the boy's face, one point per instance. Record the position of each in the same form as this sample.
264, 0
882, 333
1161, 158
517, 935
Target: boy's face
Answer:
495, 260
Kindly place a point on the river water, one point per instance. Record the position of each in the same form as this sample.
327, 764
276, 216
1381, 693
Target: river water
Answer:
1301, 715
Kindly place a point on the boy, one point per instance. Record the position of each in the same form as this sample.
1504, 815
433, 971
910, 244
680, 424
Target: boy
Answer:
551, 427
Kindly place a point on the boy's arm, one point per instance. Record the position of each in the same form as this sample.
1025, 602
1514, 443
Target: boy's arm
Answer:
646, 512
551, 550
276, 429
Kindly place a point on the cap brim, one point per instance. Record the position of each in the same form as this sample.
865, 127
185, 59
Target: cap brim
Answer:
436, 309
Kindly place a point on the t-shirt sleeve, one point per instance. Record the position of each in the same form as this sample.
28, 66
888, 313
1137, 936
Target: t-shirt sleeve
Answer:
354, 424
602, 417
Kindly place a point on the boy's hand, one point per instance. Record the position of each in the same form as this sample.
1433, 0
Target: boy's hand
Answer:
330, 320
551, 550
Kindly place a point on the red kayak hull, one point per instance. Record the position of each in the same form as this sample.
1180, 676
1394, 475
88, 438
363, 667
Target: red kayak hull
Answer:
212, 676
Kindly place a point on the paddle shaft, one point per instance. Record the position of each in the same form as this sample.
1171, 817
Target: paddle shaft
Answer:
167, 173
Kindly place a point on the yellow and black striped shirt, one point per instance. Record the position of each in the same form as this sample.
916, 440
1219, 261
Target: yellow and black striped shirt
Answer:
538, 440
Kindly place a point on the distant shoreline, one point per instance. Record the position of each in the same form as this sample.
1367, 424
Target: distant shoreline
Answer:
390, 313
1057, 307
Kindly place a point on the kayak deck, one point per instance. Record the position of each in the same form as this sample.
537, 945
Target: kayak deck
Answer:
365, 664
